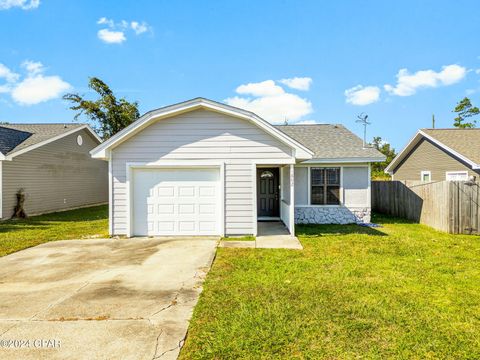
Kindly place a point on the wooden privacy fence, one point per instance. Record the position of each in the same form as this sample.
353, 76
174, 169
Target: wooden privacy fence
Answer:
450, 206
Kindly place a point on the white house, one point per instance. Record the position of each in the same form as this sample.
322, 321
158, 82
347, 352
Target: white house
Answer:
205, 168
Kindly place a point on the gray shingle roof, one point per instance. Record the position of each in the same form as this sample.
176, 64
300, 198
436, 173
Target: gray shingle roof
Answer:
464, 141
329, 141
15, 137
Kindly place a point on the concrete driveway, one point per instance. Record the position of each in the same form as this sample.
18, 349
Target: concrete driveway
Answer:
101, 299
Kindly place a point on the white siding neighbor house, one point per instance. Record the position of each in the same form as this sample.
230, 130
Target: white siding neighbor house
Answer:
205, 168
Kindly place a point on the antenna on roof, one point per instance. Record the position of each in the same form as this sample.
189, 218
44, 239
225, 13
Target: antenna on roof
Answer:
362, 119
285, 122
433, 121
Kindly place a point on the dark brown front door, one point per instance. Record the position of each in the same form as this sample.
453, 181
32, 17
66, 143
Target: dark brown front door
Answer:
268, 203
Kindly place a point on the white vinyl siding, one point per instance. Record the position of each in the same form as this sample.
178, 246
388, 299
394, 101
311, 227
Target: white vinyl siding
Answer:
301, 186
200, 135
355, 186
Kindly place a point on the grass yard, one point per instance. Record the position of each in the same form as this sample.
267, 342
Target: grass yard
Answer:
16, 235
401, 291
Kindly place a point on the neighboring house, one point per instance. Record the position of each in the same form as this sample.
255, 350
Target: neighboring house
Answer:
205, 168
52, 164
437, 155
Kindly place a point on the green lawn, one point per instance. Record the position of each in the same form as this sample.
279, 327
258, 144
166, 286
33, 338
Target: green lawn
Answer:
16, 235
401, 291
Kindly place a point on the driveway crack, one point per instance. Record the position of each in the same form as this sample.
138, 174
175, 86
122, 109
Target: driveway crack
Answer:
173, 302
179, 346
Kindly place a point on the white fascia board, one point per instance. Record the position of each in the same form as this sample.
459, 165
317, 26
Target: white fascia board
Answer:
344, 160
450, 150
100, 151
413, 141
52, 139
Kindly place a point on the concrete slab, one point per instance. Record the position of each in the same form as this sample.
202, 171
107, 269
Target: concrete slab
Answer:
275, 235
278, 242
237, 244
101, 299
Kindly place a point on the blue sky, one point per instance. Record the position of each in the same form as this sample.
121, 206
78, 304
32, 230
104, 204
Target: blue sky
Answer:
247, 53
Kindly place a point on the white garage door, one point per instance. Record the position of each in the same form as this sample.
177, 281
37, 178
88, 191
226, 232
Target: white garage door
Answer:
176, 202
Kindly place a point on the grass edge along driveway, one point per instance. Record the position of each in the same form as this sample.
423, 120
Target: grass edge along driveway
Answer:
16, 235
401, 291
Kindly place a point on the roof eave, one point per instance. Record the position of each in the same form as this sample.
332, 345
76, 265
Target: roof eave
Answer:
13, 154
346, 160
414, 141
100, 152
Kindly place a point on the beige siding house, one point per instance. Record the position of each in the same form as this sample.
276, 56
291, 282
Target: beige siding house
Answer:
52, 164
437, 155
206, 168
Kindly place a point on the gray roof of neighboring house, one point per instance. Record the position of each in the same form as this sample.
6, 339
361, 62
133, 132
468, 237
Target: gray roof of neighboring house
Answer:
330, 141
15, 137
464, 141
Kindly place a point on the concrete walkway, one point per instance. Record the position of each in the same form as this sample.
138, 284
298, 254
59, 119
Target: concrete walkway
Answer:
271, 235
101, 299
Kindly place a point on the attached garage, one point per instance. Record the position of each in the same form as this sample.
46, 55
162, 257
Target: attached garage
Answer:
201, 167
176, 201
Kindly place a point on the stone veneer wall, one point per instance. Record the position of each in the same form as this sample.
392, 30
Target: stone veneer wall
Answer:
332, 215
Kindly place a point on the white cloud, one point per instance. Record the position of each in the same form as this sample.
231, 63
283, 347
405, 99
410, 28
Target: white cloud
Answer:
360, 95
22, 4
271, 102
264, 88
106, 21
298, 83
35, 86
39, 88
306, 122
7, 74
139, 28
111, 37
116, 32
33, 67
407, 84
477, 71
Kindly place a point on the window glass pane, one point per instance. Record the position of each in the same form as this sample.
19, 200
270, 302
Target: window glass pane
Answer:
317, 176
333, 195
333, 176
317, 195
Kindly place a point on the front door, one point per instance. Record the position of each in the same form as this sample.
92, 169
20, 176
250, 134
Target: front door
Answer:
268, 203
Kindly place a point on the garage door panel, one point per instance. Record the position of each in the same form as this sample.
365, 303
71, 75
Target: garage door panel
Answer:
189, 205
207, 209
184, 209
207, 226
163, 191
206, 191
186, 191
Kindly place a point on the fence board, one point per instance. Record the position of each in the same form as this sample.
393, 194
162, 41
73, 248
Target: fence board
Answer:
450, 206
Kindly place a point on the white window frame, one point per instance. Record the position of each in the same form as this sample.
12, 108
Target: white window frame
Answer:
342, 192
426, 172
309, 179
463, 172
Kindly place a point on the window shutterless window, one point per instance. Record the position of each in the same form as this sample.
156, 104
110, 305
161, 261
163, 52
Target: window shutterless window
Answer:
426, 176
325, 186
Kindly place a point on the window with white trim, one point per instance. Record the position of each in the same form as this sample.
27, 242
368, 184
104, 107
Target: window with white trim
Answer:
456, 176
426, 176
325, 186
